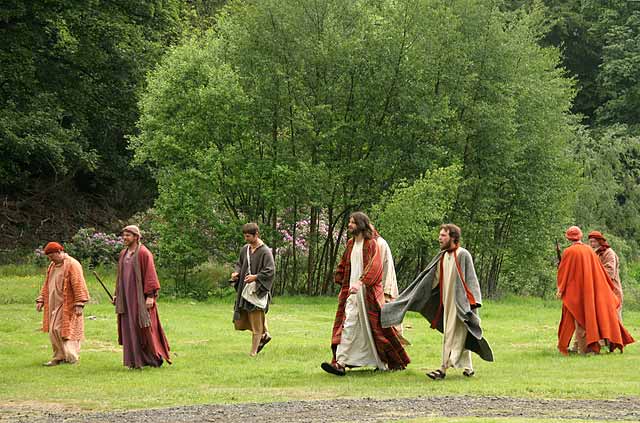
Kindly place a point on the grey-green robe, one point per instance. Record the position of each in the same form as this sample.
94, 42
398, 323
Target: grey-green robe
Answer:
420, 296
263, 266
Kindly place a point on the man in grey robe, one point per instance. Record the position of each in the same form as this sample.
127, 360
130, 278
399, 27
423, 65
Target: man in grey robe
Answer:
255, 266
447, 294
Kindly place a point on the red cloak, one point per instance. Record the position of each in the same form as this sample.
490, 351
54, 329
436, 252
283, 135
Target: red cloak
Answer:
151, 337
388, 345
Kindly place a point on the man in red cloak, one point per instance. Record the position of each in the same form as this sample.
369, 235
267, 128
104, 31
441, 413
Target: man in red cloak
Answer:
588, 301
358, 339
139, 330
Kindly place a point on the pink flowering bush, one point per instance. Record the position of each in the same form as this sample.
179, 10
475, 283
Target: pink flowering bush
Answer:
40, 257
303, 235
94, 248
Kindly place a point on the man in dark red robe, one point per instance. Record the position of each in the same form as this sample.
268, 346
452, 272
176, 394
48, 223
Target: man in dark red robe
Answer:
589, 305
139, 330
358, 339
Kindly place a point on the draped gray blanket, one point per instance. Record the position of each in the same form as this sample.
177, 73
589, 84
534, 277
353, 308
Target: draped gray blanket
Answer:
421, 296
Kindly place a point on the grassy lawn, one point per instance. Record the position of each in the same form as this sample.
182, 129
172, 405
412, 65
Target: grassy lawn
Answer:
211, 364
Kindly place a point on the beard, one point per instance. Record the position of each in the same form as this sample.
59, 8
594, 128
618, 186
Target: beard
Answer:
447, 246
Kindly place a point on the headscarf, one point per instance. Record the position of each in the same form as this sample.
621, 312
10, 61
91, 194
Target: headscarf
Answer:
53, 247
601, 239
573, 234
133, 229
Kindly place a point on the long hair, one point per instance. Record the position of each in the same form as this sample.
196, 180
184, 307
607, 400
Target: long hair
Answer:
454, 232
363, 225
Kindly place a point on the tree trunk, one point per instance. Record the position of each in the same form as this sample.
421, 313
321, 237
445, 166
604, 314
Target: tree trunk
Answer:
313, 235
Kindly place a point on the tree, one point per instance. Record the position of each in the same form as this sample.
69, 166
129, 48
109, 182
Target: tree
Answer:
307, 111
409, 218
70, 72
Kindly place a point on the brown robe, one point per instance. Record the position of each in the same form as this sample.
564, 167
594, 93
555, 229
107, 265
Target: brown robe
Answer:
139, 330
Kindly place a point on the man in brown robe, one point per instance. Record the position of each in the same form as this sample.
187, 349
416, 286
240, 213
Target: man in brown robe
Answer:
254, 266
610, 261
62, 298
139, 330
358, 339
588, 302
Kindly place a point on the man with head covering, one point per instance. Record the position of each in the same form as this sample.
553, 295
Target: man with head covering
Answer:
610, 261
62, 298
139, 330
447, 294
254, 273
588, 301
358, 339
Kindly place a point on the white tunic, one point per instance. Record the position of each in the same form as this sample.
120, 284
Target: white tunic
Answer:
455, 332
389, 280
356, 346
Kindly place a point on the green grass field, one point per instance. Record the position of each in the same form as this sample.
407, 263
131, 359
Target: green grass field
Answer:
211, 364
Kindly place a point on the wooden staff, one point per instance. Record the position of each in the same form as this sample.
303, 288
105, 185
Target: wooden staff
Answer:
105, 288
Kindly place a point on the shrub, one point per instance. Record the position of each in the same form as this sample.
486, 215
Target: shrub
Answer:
93, 248
40, 258
205, 281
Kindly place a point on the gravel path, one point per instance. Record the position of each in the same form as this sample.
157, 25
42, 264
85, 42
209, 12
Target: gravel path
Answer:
359, 410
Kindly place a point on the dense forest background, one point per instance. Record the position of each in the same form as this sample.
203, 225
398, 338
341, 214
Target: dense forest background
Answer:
513, 119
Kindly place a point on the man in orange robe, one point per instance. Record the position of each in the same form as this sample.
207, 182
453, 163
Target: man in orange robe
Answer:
588, 301
62, 298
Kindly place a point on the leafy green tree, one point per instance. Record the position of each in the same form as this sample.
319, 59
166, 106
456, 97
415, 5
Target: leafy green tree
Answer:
409, 218
70, 73
308, 110
618, 78
609, 193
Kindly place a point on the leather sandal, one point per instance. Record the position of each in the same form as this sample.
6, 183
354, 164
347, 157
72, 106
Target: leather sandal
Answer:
334, 369
437, 375
264, 341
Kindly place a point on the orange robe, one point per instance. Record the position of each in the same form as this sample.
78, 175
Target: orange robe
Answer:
611, 263
588, 298
75, 292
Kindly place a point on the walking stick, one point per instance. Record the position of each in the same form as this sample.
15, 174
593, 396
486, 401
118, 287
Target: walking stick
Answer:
558, 253
105, 288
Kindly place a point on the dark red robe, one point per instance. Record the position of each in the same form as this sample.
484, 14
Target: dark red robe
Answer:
142, 345
388, 345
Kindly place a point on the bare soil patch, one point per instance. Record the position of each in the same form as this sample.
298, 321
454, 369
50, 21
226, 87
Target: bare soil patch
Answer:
358, 410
